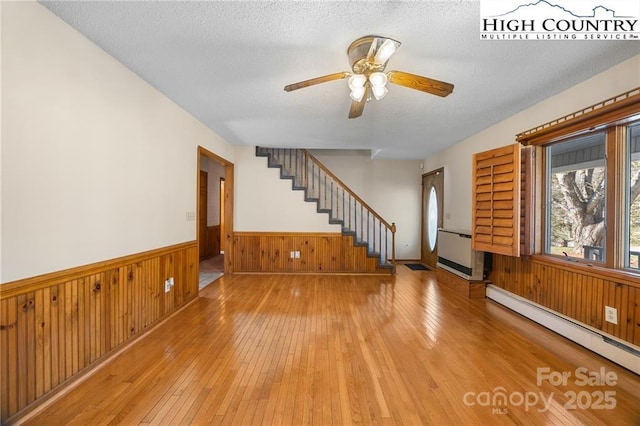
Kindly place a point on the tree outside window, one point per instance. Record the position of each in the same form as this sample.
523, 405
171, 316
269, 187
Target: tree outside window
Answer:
633, 200
577, 198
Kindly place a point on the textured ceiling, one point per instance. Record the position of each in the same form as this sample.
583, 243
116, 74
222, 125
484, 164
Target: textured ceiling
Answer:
227, 63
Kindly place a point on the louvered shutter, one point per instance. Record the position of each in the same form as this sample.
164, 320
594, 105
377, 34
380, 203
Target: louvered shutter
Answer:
496, 201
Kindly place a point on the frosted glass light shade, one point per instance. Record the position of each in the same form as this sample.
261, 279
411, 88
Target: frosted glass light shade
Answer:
378, 79
379, 92
357, 93
357, 81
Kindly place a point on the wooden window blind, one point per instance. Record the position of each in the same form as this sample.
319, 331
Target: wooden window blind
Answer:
496, 201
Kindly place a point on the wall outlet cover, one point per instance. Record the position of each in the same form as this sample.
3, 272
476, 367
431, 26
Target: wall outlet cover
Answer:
611, 314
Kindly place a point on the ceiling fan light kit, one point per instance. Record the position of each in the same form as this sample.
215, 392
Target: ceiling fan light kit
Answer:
368, 57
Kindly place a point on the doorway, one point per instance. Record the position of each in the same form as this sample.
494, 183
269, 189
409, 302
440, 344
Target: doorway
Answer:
215, 216
432, 212
221, 214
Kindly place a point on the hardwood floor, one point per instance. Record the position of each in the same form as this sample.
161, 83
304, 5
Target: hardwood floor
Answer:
311, 349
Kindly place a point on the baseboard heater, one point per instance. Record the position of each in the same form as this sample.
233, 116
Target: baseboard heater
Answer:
456, 255
620, 352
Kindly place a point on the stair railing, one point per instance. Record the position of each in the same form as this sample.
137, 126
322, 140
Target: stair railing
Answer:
343, 205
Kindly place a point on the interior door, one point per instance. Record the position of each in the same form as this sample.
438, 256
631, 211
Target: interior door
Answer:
202, 214
432, 212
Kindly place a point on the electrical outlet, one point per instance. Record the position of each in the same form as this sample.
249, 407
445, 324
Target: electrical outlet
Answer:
190, 216
297, 255
292, 255
167, 286
611, 314
171, 282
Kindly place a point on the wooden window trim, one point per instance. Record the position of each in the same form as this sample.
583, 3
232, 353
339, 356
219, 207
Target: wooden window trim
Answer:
612, 116
613, 111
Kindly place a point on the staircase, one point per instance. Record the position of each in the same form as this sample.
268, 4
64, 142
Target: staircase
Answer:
333, 197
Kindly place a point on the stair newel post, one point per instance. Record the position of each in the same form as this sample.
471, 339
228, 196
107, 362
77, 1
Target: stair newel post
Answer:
393, 246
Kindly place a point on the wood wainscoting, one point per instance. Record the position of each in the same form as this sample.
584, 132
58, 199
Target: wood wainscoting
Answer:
319, 253
212, 242
576, 291
466, 288
55, 327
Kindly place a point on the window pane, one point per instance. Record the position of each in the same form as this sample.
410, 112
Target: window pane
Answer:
432, 219
632, 208
576, 199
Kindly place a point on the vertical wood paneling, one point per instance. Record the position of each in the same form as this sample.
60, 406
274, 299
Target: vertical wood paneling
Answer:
60, 325
581, 296
636, 318
270, 252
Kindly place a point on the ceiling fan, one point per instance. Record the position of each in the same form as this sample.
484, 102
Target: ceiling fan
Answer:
368, 57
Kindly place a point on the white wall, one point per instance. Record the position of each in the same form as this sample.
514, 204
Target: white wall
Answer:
391, 187
266, 203
457, 159
95, 163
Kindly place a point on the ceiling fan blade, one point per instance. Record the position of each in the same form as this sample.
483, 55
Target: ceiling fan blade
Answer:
412, 81
358, 106
317, 80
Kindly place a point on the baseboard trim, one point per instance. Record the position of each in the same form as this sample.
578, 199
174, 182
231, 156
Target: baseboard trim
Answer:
611, 348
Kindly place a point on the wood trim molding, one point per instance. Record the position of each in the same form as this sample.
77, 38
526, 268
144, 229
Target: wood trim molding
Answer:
589, 270
612, 110
13, 288
285, 234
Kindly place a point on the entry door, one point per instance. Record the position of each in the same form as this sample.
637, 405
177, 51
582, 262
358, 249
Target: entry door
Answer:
432, 212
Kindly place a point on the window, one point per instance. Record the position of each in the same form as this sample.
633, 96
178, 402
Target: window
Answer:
584, 202
576, 198
432, 218
632, 207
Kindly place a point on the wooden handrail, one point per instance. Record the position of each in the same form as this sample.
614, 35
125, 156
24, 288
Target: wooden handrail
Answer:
349, 190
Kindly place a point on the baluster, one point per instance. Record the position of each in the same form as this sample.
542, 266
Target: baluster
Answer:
380, 236
324, 185
368, 237
295, 178
313, 180
331, 214
349, 212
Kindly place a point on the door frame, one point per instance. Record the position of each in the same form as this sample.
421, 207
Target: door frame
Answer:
228, 206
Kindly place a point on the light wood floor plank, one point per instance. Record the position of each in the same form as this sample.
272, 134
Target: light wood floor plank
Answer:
321, 350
